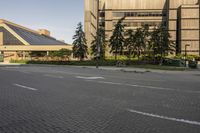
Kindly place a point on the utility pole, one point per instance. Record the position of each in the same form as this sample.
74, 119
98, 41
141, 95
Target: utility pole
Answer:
97, 35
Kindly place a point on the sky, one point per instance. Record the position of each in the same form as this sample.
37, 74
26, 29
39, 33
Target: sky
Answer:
59, 16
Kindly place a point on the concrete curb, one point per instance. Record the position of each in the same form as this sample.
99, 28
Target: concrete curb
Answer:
133, 70
10, 65
122, 69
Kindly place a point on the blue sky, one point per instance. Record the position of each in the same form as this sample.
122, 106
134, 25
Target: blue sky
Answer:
59, 16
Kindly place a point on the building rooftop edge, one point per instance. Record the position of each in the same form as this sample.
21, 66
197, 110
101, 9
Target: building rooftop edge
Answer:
3, 21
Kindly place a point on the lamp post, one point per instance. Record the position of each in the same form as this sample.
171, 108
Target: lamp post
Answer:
186, 45
97, 35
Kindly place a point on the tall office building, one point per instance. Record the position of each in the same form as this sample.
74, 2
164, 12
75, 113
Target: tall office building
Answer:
181, 18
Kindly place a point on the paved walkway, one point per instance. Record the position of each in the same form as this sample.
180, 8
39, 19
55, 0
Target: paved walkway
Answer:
123, 69
141, 70
9, 64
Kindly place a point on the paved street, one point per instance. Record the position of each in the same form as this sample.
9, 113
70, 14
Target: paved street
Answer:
39, 99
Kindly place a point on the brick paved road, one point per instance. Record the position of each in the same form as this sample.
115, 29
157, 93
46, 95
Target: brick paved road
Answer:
77, 100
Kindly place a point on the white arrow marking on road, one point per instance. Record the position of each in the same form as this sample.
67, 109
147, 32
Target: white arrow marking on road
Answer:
26, 87
89, 78
165, 117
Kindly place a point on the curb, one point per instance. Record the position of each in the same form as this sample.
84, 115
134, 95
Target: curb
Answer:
131, 70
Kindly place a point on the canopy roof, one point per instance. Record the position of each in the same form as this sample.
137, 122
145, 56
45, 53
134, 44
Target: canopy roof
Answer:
25, 35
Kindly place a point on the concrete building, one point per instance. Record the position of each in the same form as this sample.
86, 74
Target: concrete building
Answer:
181, 18
15, 39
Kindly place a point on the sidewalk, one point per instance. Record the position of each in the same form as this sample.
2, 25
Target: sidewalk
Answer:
3, 64
109, 68
132, 69
140, 70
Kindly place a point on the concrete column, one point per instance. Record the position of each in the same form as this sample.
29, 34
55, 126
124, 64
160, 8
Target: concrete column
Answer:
199, 27
47, 57
24, 55
1, 38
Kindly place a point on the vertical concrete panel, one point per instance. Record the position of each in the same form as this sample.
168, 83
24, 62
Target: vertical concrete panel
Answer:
1, 38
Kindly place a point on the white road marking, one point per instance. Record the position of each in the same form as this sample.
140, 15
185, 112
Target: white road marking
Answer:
165, 117
143, 86
26, 87
53, 76
90, 75
89, 78
150, 87
112, 83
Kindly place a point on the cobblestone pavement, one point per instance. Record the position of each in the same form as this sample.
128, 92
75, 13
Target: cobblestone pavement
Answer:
82, 100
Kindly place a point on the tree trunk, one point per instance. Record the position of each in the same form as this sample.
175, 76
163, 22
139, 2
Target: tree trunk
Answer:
115, 53
138, 54
161, 60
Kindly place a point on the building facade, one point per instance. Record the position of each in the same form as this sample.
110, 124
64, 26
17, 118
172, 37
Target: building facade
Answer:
181, 18
15, 39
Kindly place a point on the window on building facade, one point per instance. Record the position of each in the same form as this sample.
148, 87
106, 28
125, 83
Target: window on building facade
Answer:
138, 14
139, 24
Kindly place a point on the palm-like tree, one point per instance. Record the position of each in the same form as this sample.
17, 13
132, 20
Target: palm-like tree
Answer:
117, 39
79, 43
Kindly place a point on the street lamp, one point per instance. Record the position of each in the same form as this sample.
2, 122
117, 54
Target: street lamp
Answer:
186, 45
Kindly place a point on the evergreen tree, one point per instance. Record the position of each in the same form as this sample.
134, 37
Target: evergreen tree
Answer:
79, 43
146, 37
102, 44
130, 42
161, 43
117, 39
140, 43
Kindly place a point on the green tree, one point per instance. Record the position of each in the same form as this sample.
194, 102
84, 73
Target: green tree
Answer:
79, 43
155, 41
146, 37
161, 43
38, 53
130, 42
168, 45
102, 44
117, 38
62, 53
139, 42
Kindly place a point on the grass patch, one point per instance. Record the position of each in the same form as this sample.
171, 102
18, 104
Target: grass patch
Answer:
133, 64
19, 61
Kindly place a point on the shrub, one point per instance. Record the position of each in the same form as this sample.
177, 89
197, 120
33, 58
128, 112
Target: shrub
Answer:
19, 61
173, 62
192, 64
78, 63
189, 57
